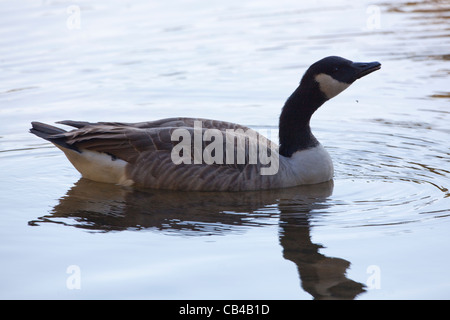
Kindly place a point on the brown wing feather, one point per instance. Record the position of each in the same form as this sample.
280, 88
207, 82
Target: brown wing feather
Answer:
147, 147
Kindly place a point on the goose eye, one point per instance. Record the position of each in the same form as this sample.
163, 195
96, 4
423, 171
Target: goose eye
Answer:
335, 69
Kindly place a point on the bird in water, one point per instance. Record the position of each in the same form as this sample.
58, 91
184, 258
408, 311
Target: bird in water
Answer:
210, 155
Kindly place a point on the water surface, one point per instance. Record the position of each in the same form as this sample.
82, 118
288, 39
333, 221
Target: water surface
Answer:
379, 230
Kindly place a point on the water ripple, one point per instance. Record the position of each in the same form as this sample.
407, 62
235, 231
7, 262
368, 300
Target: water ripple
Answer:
392, 177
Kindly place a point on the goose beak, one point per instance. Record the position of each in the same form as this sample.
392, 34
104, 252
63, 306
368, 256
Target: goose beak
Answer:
364, 68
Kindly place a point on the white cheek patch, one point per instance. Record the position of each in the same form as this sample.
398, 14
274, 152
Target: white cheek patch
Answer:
330, 86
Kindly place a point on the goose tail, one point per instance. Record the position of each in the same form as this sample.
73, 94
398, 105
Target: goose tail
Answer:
93, 165
51, 133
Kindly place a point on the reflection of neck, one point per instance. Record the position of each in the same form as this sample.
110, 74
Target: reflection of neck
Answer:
294, 130
321, 276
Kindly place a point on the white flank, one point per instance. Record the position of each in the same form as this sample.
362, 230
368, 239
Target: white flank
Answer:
98, 166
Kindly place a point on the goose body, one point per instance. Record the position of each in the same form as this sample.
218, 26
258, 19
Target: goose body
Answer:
210, 155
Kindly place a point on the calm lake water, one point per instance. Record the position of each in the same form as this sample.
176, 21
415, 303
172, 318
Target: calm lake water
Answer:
379, 230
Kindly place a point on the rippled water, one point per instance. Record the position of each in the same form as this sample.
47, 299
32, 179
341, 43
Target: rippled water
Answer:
379, 230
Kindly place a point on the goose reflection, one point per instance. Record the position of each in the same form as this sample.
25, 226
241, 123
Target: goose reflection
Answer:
102, 207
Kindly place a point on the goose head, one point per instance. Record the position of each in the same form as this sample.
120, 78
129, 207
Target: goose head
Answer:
335, 74
322, 81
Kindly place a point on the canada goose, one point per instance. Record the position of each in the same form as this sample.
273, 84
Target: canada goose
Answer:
195, 154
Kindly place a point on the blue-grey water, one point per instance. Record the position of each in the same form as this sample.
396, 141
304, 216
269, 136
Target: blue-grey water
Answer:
379, 230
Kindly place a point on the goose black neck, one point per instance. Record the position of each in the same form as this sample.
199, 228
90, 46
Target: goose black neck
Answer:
294, 130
